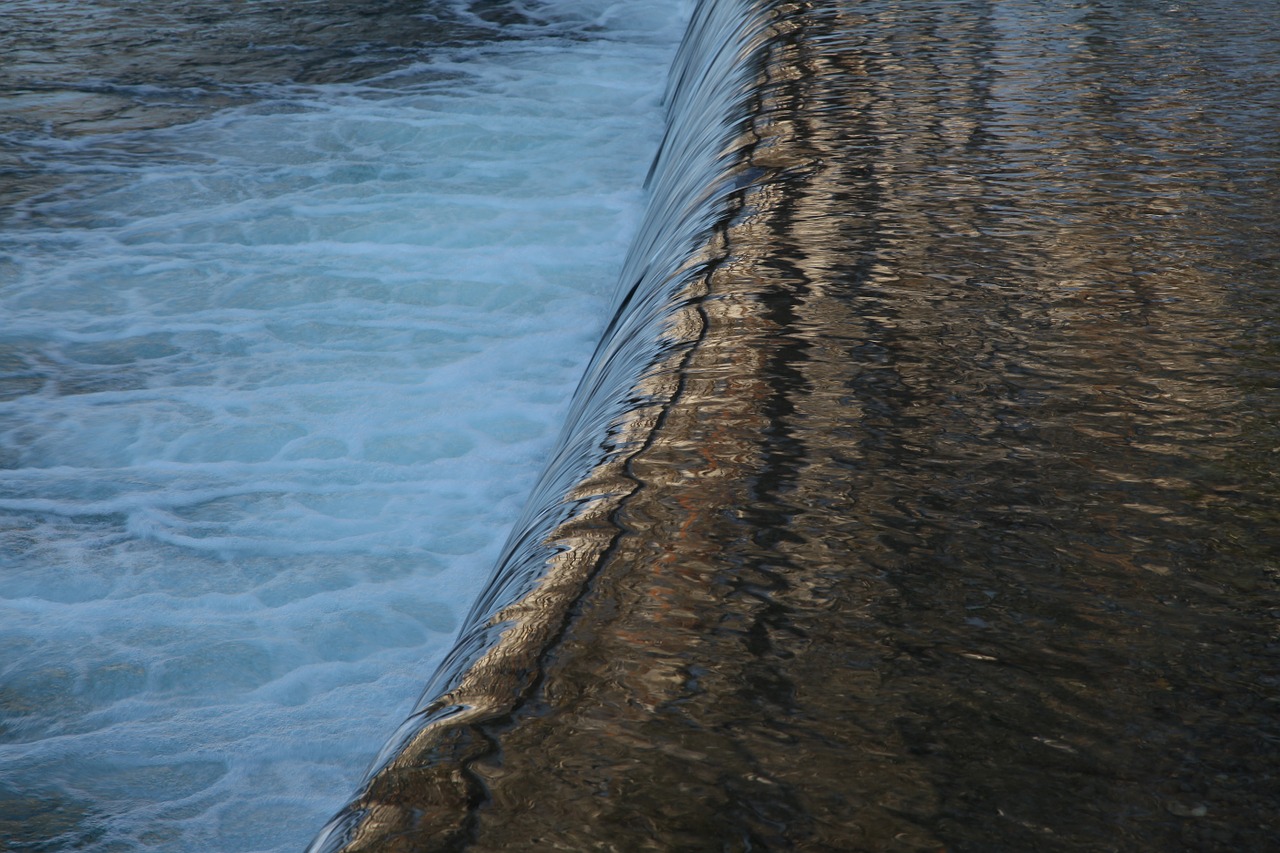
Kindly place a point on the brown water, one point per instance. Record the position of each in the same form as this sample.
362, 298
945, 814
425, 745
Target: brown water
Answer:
962, 528
1029, 429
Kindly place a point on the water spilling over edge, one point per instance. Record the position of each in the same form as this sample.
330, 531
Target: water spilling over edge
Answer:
567, 526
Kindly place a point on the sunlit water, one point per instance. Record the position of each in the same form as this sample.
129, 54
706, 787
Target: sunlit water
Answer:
292, 301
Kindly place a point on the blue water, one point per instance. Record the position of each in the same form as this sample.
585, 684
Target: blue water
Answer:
280, 358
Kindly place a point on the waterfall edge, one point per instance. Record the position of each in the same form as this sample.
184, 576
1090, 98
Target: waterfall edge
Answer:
421, 792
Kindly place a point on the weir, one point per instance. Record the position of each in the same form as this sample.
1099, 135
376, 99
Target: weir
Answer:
908, 502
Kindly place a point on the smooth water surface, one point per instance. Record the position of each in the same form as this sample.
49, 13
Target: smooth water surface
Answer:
292, 300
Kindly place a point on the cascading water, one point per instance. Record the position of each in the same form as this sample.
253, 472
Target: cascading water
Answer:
695, 172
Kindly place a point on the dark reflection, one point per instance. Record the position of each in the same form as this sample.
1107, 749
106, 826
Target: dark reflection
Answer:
961, 531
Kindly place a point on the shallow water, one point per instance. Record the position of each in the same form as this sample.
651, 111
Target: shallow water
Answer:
294, 297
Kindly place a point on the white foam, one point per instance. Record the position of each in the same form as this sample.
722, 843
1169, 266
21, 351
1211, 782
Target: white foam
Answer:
276, 384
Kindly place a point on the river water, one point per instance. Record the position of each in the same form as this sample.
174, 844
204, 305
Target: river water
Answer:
940, 510
293, 298
949, 518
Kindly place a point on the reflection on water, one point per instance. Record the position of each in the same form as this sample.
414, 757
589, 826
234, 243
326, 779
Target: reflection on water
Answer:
961, 532
1028, 351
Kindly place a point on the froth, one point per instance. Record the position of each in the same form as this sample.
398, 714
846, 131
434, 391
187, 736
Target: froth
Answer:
276, 385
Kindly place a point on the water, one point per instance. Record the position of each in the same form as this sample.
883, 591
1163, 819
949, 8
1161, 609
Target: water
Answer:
957, 526
293, 300
943, 518
568, 525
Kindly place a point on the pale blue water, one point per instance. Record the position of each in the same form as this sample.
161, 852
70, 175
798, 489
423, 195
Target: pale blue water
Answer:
284, 343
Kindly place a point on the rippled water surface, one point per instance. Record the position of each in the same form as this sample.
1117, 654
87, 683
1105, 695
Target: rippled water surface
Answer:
1038, 283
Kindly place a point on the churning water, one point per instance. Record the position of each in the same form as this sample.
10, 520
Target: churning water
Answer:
292, 300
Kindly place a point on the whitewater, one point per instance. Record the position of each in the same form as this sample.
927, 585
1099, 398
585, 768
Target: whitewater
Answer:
278, 370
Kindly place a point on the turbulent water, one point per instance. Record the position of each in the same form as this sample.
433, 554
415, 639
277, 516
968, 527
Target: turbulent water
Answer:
292, 300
